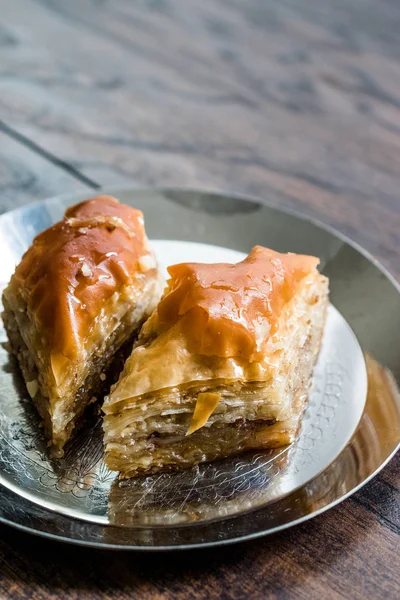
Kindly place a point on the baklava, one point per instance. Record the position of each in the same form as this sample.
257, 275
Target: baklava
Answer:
222, 366
80, 293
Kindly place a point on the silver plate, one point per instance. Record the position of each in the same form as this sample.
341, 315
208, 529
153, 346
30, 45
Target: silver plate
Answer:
340, 447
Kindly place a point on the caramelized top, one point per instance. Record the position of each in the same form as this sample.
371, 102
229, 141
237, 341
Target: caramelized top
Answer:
230, 310
74, 267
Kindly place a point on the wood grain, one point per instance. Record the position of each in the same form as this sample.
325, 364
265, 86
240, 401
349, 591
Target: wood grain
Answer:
346, 553
27, 176
296, 101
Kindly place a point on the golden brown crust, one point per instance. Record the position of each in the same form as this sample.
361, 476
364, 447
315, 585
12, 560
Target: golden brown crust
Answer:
181, 401
73, 267
80, 292
231, 310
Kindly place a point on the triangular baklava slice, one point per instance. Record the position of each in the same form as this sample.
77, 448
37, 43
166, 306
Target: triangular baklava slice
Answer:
222, 366
79, 293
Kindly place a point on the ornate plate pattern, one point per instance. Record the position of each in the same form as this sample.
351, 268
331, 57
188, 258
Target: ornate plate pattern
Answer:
80, 500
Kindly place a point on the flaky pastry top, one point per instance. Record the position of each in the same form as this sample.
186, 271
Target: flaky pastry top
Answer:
231, 310
75, 266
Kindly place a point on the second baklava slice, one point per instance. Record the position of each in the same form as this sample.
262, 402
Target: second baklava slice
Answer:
223, 365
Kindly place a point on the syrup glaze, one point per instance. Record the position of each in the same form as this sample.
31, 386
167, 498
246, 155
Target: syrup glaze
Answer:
230, 310
75, 266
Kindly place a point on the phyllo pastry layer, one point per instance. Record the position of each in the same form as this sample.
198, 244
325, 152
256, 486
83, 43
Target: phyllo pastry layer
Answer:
223, 365
79, 293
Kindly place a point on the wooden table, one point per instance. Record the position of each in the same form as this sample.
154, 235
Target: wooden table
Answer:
296, 101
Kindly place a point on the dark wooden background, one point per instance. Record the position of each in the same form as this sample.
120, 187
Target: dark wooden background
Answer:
296, 101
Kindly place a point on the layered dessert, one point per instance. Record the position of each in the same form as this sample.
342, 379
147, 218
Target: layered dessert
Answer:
80, 293
222, 366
